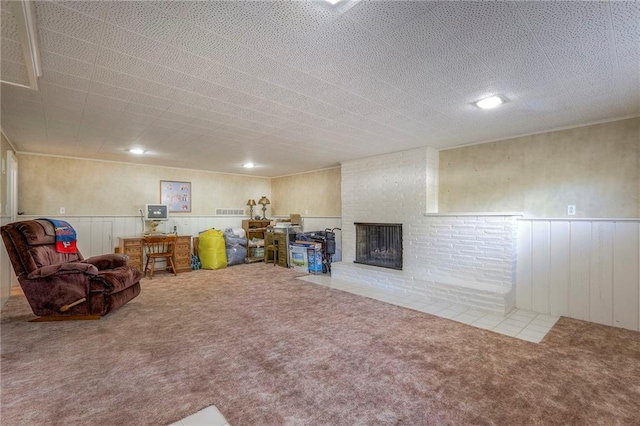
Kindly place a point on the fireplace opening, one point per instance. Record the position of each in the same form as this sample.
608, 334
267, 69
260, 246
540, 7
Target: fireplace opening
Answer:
379, 244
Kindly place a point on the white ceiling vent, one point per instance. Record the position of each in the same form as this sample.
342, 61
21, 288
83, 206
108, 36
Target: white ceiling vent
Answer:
230, 212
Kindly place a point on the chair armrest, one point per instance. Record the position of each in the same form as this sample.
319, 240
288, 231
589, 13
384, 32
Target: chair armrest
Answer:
108, 261
49, 270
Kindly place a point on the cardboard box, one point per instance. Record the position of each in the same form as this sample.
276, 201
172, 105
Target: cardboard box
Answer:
298, 256
309, 256
314, 256
315, 261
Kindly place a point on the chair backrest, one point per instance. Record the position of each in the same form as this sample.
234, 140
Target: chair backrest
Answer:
31, 245
159, 246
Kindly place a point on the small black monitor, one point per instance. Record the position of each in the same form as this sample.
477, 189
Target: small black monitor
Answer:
156, 212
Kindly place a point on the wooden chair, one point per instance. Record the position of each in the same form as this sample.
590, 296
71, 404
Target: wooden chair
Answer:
159, 248
271, 253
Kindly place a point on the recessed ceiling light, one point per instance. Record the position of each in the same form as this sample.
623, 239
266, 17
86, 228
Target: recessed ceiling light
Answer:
248, 165
490, 102
137, 151
333, 2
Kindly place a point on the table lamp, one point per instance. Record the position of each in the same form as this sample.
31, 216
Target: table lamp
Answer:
251, 203
264, 201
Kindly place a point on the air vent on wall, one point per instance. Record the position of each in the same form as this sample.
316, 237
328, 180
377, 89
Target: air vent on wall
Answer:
230, 212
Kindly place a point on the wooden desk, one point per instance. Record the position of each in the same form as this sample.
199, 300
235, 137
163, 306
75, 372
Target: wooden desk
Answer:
132, 246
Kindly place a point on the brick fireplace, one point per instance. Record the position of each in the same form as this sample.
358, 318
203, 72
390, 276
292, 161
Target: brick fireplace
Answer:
466, 258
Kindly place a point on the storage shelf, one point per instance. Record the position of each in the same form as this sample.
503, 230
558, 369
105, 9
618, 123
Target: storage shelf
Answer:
254, 229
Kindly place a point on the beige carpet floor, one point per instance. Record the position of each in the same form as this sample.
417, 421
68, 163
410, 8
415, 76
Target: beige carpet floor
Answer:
268, 349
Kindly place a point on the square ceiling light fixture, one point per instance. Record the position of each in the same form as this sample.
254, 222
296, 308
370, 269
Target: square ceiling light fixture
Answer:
338, 7
489, 103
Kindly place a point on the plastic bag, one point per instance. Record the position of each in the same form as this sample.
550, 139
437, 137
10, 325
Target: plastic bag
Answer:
235, 241
236, 254
235, 232
211, 250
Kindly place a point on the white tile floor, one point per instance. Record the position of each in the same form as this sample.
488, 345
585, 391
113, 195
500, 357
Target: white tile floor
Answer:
526, 325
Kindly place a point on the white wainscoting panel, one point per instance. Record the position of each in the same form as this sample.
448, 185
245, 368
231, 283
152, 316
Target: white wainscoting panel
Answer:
524, 275
96, 234
587, 269
559, 273
541, 260
99, 234
626, 300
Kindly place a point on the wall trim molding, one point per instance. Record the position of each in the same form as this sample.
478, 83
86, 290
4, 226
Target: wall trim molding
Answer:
473, 214
141, 164
557, 129
578, 219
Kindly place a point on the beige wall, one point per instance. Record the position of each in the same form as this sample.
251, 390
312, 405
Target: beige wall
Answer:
596, 168
310, 194
88, 187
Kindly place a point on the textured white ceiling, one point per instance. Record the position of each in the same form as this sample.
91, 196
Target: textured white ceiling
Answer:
300, 85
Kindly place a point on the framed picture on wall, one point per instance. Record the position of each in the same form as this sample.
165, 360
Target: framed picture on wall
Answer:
177, 195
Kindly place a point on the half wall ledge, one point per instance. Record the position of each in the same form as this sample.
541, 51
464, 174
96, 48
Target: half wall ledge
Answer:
461, 214
471, 294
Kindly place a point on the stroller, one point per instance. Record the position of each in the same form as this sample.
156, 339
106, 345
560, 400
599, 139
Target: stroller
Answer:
328, 240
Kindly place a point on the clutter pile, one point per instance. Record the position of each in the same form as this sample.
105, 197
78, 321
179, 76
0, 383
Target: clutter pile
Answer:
195, 262
216, 249
235, 246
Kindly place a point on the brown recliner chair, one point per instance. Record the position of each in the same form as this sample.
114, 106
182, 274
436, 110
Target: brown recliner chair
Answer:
65, 285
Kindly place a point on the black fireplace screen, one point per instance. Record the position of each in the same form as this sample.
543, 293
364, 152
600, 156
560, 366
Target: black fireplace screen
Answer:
379, 244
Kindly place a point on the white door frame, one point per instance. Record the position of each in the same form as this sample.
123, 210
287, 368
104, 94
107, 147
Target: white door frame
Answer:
12, 186
12, 194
